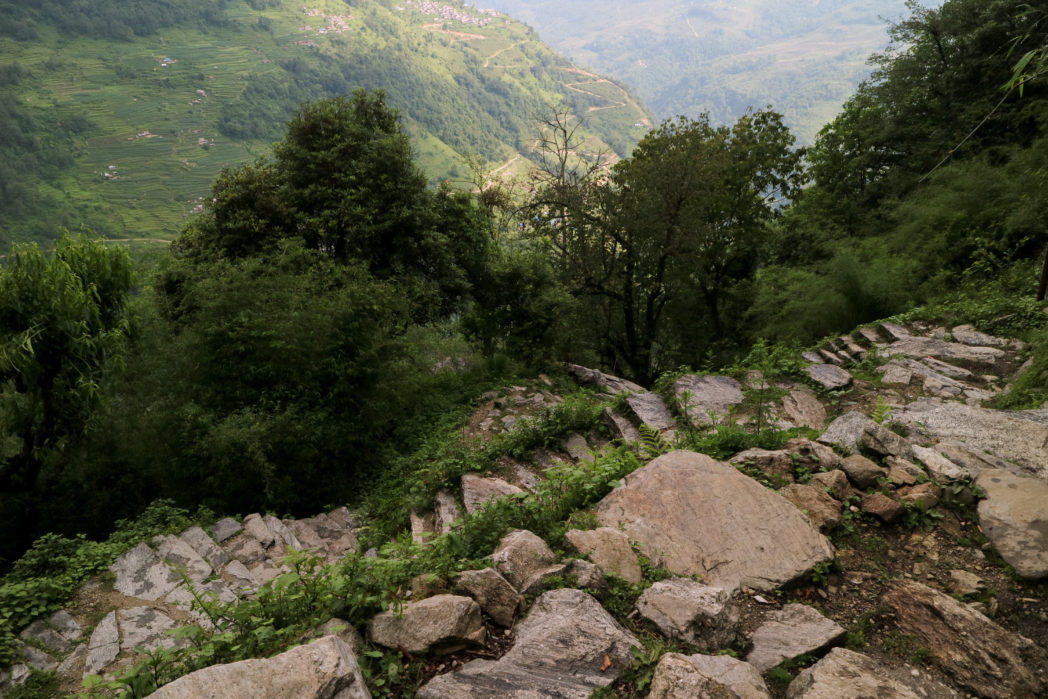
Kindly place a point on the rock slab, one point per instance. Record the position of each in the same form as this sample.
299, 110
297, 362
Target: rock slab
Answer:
325, 669
680, 676
788, 632
440, 624
560, 649
696, 516
1014, 516
845, 674
689, 611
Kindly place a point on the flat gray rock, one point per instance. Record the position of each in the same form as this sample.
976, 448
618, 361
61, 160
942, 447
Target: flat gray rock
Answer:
204, 545
559, 652
710, 398
1014, 516
919, 347
680, 676
845, 674
225, 528
846, 431
788, 632
146, 627
700, 517
830, 377
941, 469
324, 669
104, 645
970, 336
651, 410
140, 573
178, 554
1017, 437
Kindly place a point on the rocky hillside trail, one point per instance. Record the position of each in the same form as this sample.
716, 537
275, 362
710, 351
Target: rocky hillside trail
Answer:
895, 546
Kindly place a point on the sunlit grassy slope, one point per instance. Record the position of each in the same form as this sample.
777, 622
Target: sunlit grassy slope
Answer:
125, 135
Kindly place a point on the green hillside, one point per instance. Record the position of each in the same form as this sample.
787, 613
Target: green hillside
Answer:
118, 116
805, 59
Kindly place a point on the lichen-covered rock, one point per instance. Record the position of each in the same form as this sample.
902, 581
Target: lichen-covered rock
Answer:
439, 625
689, 611
846, 431
140, 573
324, 669
560, 651
699, 517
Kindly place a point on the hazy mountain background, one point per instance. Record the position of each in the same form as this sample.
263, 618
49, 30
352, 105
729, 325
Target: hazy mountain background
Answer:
119, 115
690, 56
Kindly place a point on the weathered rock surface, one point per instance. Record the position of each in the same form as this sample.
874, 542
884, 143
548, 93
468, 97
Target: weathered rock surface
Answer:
972, 650
823, 511
325, 669
788, 632
650, 409
885, 442
918, 347
883, 507
970, 336
446, 512
1014, 516
607, 382
493, 593
140, 573
941, 469
620, 427
609, 549
710, 398
689, 611
846, 431
477, 490
700, 517
863, 472
776, 464
104, 645
1018, 437
802, 407
845, 674
829, 376
680, 676
439, 625
559, 652
522, 558
835, 483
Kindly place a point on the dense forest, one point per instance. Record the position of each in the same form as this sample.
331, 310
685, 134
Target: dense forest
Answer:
329, 307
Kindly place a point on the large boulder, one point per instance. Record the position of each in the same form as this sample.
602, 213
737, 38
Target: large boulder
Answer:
680, 676
441, 624
566, 647
976, 653
325, 669
846, 431
1014, 516
803, 407
696, 516
650, 410
1018, 437
689, 611
709, 398
478, 490
845, 674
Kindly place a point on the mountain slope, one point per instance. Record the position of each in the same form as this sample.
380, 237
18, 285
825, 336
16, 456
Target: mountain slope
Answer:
119, 116
804, 59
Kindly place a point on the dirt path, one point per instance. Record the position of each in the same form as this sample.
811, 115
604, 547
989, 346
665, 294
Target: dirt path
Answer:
626, 100
487, 61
